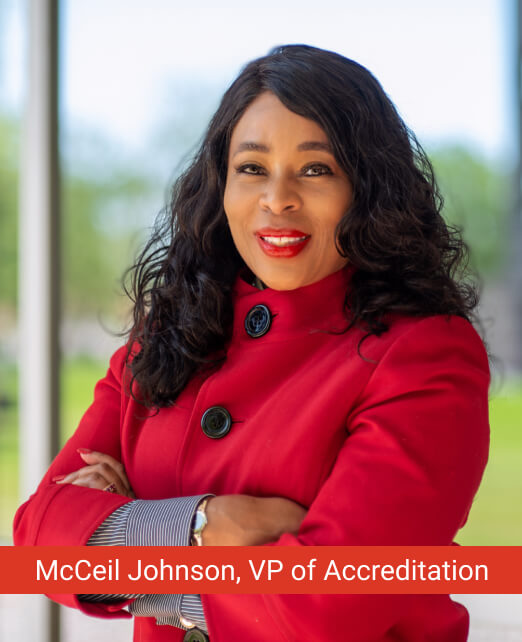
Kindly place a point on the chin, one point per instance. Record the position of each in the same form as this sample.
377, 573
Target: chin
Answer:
284, 283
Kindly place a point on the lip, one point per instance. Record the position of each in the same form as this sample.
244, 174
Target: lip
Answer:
280, 231
281, 252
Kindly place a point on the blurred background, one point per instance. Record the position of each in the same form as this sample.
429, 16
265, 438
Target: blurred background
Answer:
138, 82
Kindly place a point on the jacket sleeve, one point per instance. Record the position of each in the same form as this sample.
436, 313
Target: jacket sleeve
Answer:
416, 447
157, 523
67, 515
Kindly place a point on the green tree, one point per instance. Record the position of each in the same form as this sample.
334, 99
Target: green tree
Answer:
100, 222
102, 209
105, 204
8, 208
478, 198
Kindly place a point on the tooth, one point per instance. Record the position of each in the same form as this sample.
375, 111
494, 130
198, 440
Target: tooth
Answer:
282, 241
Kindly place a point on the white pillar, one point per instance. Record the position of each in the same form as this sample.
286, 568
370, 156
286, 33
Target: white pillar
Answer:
39, 277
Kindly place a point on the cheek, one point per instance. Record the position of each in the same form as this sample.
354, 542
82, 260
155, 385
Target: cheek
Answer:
233, 202
236, 217
327, 247
227, 201
240, 206
327, 224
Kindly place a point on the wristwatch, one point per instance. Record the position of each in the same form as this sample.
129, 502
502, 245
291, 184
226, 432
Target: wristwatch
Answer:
199, 523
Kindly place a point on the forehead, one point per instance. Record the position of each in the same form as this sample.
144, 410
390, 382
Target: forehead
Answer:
266, 119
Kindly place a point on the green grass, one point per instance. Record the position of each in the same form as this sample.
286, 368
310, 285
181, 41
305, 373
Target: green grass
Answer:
78, 378
495, 518
496, 514
8, 449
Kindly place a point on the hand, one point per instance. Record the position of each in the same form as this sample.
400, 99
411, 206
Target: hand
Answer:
243, 520
101, 472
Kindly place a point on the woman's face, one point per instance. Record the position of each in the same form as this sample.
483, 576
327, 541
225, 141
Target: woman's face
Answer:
284, 195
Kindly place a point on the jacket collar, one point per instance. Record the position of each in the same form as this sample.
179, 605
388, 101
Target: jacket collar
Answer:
312, 308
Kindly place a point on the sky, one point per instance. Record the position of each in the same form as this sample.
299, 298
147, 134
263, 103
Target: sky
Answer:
125, 64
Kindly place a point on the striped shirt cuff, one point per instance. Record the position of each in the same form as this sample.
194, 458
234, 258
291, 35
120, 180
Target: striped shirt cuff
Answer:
161, 522
111, 532
164, 522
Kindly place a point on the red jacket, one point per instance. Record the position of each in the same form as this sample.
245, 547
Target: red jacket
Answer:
386, 447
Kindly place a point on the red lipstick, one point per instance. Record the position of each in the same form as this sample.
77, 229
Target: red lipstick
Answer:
282, 242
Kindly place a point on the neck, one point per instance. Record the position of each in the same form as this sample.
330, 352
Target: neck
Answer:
249, 277
317, 307
258, 283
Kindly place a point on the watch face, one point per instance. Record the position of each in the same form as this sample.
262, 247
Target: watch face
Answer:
200, 522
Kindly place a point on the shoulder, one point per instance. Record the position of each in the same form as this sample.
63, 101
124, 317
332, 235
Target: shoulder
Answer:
428, 356
430, 379
118, 374
436, 337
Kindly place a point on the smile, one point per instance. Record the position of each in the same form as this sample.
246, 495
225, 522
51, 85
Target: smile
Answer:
284, 245
283, 241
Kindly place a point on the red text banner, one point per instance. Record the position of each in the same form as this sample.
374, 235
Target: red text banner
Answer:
261, 569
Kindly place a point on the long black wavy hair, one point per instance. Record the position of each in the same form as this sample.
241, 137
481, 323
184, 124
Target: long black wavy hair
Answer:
408, 260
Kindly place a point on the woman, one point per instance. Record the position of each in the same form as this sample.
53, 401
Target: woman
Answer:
301, 366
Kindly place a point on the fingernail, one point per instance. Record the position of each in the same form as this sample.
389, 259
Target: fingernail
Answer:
58, 478
84, 451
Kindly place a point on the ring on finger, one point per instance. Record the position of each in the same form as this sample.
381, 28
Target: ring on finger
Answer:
111, 488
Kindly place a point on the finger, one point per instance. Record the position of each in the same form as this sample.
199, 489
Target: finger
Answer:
95, 471
99, 476
120, 489
94, 479
93, 457
79, 477
110, 462
107, 472
66, 479
71, 477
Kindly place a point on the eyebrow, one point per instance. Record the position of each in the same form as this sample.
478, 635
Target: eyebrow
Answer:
307, 146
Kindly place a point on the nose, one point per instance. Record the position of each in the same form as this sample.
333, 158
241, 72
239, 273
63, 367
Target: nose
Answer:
280, 196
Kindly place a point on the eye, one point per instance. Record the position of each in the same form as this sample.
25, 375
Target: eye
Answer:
250, 168
317, 169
